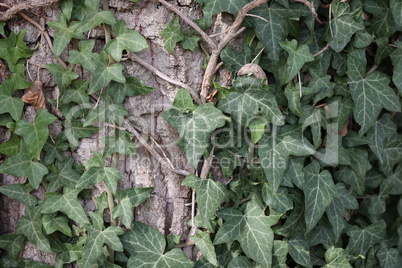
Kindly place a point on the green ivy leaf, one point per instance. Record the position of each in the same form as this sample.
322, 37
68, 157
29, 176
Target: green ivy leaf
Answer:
234, 59
20, 192
11, 147
64, 34
382, 23
112, 113
93, 17
88, 60
210, 194
212, 7
125, 39
94, 175
71, 253
250, 101
132, 87
392, 154
396, 58
319, 192
9, 104
105, 73
297, 57
299, 251
361, 240
251, 229
371, 94
64, 77
13, 243
321, 85
204, 244
396, 8
63, 175
378, 133
78, 94
13, 48
238, 262
128, 199
119, 143
35, 134
54, 148
388, 257
75, 130
66, 203
190, 42
195, 128
279, 201
97, 237
172, 34
280, 251
22, 165
147, 249
30, 225
51, 224
336, 257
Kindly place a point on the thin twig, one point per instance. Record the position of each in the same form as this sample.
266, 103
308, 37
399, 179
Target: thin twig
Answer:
165, 77
256, 16
4, 16
300, 84
372, 69
310, 5
259, 53
322, 50
189, 22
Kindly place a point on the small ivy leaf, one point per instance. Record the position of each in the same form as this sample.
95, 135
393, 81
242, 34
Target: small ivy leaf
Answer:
251, 229
172, 34
321, 85
336, 257
388, 257
319, 192
35, 134
392, 154
132, 87
51, 224
9, 104
362, 39
257, 129
95, 175
125, 39
13, 48
13, 243
396, 58
378, 133
195, 128
97, 160
147, 249
297, 57
183, 102
234, 59
54, 148
321, 235
299, 251
67, 203
75, 130
128, 199
203, 242
279, 201
97, 238
237, 262
210, 195
30, 225
70, 254
88, 60
64, 33
250, 101
279, 253
63, 175
104, 74
20, 192
112, 113
343, 25
64, 77
190, 42
22, 165
370, 94
11, 147
382, 23
293, 95
93, 17
361, 240
212, 7
77, 94
119, 143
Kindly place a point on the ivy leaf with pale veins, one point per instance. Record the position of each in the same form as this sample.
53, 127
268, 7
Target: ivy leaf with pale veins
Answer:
203, 242
54, 148
75, 130
64, 77
9, 104
30, 225
13, 48
396, 8
11, 147
319, 192
125, 39
119, 143
20, 192
370, 93
112, 113
52, 223
93, 17
64, 34
299, 251
297, 57
195, 128
147, 249
251, 100
88, 60
396, 58
381, 23
67, 203
336, 257
13, 243
172, 34
361, 240
22, 165
105, 73
77, 94
392, 153
378, 133
190, 42
252, 229
388, 257
35, 134
343, 25
234, 59
128, 199
63, 175
321, 85
97, 237
132, 87
279, 253
210, 195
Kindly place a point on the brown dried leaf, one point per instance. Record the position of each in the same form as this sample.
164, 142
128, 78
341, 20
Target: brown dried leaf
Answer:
35, 96
253, 69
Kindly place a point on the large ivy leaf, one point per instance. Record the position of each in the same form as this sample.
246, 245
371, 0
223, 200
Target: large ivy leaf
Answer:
64, 77
396, 8
11, 147
112, 113
13, 48
396, 58
319, 192
388, 257
212, 7
64, 34
97, 237
234, 59
250, 101
105, 73
299, 250
93, 17
62, 174
109, 175
203, 242
13, 243
30, 225
128, 199
210, 194
382, 23
371, 94
132, 87
125, 39
22, 165
361, 240
251, 229
9, 104
392, 153
336, 257
147, 249
281, 250
35, 134
66, 203
88, 60
75, 130
119, 143
77, 94
343, 25
195, 128
52, 223
20, 192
